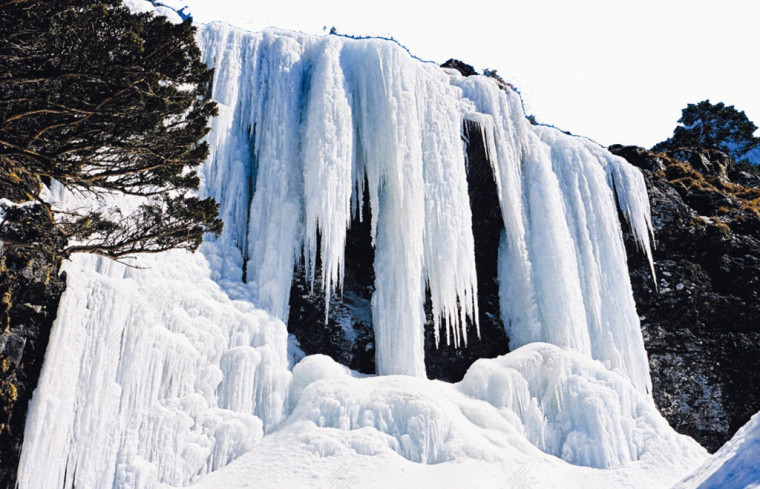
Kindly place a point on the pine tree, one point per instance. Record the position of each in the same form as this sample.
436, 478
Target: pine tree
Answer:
714, 126
105, 101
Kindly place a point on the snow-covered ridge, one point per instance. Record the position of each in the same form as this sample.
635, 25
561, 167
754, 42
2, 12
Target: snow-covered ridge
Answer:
161, 377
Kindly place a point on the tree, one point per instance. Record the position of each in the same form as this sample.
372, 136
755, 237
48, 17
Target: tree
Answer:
714, 126
105, 101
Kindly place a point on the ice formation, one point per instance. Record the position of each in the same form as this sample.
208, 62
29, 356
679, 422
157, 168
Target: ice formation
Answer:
151, 375
496, 428
166, 373
310, 123
306, 122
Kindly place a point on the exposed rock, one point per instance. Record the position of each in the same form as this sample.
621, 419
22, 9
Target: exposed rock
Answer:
30, 288
345, 334
701, 322
638, 157
461, 67
706, 161
447, 362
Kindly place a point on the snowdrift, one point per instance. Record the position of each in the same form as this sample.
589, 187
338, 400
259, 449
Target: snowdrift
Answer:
736, 464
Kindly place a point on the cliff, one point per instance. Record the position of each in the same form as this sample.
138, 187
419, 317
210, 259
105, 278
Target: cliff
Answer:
701, 316
30, 287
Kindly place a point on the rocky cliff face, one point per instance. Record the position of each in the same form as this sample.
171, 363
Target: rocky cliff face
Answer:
30, 288
701, 316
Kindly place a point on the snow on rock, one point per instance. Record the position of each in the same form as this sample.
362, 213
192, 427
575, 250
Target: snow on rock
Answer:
167, 8
735, 466
752, 156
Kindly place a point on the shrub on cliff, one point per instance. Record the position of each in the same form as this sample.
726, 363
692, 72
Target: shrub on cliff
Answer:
105, 101
714, 126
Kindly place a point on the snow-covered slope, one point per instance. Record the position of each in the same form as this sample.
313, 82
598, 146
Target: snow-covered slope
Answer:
167, 373
735, 465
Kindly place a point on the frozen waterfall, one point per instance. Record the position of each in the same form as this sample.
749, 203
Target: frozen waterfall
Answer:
157, 377
311, 123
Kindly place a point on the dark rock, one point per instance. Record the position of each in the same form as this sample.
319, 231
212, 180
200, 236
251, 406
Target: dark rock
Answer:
345, 334
707, 161
30, 289
638, 157
463, 68
741, 177
701, 321
448, 362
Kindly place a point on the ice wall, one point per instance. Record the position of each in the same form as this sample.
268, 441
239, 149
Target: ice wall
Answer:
306, 121
152, 374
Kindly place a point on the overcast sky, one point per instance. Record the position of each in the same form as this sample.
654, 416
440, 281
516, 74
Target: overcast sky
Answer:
614, 71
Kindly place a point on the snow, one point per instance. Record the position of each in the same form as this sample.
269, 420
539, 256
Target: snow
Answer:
166, 8
735, 465
490, 430
178, 369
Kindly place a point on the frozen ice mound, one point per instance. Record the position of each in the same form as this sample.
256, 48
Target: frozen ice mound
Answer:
561, 402
540, 416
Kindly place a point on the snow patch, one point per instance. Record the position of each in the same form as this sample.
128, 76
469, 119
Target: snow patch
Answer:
735, 465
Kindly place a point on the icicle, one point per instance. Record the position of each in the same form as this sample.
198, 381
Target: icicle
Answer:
563, 271
327, 153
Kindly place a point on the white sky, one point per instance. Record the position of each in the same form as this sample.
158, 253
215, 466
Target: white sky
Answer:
615, 71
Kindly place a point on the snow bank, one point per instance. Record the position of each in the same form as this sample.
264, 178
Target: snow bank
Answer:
735, 465
573, 408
